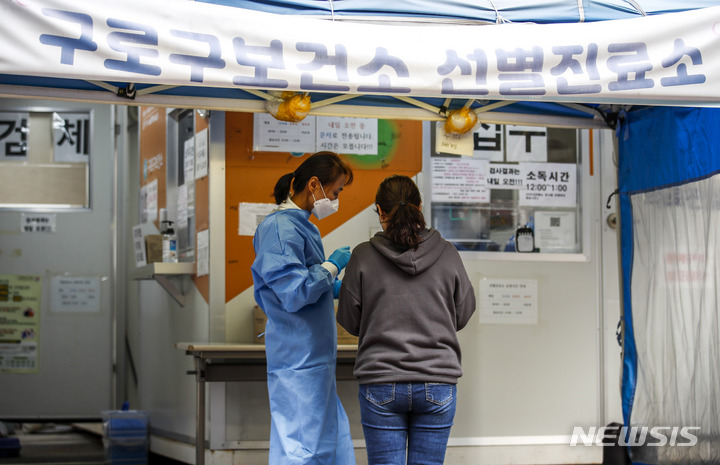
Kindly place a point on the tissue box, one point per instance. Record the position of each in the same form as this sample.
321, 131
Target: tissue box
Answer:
153, 248
259, 320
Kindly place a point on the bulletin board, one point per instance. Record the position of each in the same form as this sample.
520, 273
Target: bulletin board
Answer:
153, 153
153, 167
202, 212
251, 177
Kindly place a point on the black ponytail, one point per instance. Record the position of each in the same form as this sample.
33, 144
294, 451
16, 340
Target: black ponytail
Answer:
399, 199
282, 188
326, 166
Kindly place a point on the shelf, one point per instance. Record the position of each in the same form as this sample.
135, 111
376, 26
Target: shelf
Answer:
164, 274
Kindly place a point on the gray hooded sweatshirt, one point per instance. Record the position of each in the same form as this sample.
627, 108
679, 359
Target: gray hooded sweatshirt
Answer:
406, 307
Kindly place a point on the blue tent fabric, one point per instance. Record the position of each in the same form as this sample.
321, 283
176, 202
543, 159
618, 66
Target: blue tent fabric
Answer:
662, 152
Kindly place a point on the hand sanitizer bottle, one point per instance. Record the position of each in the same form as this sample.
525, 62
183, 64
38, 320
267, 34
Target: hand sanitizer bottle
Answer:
169, 244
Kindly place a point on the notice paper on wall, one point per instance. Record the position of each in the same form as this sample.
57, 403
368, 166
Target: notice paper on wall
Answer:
38, 222
71, 137
251, 215
139, 246
201, 154
203, 252
459, 180
73, 294
549, 184
508, 301
149, 202
19, 323
182, 207
14, 136
505, 176
454, 144
189, 160
555, 231
526, 143
488, 142
271, 135
357, 136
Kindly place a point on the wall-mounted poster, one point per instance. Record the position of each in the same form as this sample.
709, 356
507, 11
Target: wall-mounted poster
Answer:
19, 323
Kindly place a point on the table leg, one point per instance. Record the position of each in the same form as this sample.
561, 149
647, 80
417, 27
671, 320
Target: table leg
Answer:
200, 412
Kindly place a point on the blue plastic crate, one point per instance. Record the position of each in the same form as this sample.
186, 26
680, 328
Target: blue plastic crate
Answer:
125, 424
126, 451
9, 447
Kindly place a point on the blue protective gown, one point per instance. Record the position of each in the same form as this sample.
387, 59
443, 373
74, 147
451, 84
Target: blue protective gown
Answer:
308, 422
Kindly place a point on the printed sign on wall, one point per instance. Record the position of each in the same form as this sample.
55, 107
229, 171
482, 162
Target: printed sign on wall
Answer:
13, 136
508, 301
71, 137
459, 180
19, 323
549, 184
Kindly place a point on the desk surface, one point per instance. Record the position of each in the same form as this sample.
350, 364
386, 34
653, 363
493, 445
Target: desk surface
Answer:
246, 351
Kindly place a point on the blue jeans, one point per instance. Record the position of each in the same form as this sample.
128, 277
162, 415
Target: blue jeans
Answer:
412, 416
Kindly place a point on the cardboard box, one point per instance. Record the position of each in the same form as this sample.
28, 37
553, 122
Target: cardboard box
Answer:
259, 320
153, 248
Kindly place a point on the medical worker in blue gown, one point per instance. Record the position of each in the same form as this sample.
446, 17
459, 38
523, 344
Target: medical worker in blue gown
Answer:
295, 286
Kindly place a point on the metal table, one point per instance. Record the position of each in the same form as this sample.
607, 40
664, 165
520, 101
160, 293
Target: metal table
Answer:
239, 362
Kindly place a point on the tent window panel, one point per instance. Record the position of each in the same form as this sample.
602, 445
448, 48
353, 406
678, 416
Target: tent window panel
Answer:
528, 177
44, 159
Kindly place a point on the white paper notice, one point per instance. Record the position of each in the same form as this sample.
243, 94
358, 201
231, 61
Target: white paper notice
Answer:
455, 144
357, 136
75, 294
182, 207
459, 180
203, 252
71, 137
151, 202
271, 135
555, 231
201, 154
189, 160
508, 301
504, 176
38, 222
549, 185
488, 142
139, 246
251, 215
15, 132
526, 143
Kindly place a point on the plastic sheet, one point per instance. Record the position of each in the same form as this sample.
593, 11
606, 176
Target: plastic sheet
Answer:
669, 182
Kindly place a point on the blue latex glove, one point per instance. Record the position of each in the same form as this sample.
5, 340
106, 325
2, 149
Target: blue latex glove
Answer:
340, 257
336, 288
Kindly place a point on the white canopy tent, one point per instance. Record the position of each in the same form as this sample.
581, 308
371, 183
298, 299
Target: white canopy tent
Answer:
552, 63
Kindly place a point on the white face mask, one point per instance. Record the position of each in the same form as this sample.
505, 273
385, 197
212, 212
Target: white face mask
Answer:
324, 207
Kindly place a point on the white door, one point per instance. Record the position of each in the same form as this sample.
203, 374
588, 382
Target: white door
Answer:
73, 377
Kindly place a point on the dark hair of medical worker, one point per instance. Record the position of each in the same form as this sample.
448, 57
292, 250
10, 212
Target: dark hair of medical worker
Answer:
398, 204
326, 166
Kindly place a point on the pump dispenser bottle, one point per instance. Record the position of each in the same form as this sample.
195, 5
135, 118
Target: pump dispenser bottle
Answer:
169, 243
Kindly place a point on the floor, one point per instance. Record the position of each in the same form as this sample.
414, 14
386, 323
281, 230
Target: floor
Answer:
66, 444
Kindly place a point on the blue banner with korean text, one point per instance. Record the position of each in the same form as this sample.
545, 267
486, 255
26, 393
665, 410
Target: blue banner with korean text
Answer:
663, 59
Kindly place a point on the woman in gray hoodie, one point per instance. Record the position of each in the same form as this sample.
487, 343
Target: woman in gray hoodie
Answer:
405, 294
